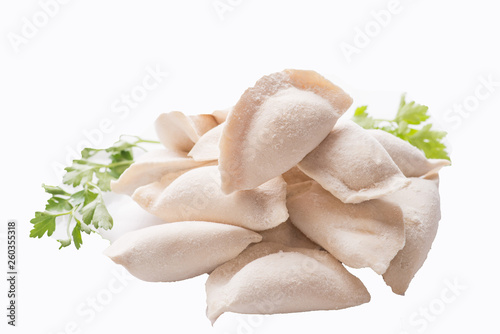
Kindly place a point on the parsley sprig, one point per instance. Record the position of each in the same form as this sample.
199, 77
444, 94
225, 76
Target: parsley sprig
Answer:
410, 125
80, 204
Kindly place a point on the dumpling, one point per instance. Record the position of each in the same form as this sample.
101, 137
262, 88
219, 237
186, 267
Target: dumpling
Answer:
410, 160
177, 251
275, 124
179, 132
352, 165
367, 234
287, 234
421, 210
295, 175
207, 147
221, 115
151, 166
196, 195
269, 278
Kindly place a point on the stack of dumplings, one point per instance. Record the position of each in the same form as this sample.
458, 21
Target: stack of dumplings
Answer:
275, 196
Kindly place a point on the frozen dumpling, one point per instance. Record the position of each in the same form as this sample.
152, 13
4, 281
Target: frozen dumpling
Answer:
151, 167
420, 205
410, 160
295, 175
179, 132
196, 195
269, 278
221, 115
287, 234
275, 124
207, 147
367, 234
177, 251
353, 165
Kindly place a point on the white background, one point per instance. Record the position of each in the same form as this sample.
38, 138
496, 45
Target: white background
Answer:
66, 78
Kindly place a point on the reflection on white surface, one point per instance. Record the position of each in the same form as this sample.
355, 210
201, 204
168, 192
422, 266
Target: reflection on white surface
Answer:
127, 216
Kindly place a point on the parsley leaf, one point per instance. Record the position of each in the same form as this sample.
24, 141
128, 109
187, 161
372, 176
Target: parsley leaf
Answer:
44, 222
430, 142
361, 117
104, 179
95, 213
58, 204
79, 172
84, 196
409, 125
411, 112
64, 242
77, 235
54, 190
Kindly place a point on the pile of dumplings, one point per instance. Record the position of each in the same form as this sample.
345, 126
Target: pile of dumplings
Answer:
275, 196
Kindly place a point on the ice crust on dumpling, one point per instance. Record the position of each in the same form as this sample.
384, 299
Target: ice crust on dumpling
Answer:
207, 147
179, 132
269, 278
151, 167
275, 124
410, 160
367, 234
421, 209
196, 195
287, 234
181, 250
353, 165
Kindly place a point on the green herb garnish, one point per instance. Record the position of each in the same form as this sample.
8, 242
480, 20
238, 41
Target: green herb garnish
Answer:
410, 125
80, 203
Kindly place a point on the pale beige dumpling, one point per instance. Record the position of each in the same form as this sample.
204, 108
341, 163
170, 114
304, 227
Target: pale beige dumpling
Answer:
269, 278
221, 115
179, 132
152, 166
177, 251
353, 165
196, 195
367, 234
295, 175
421, 209
207, 147
287, 234
410, 160
275, 124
